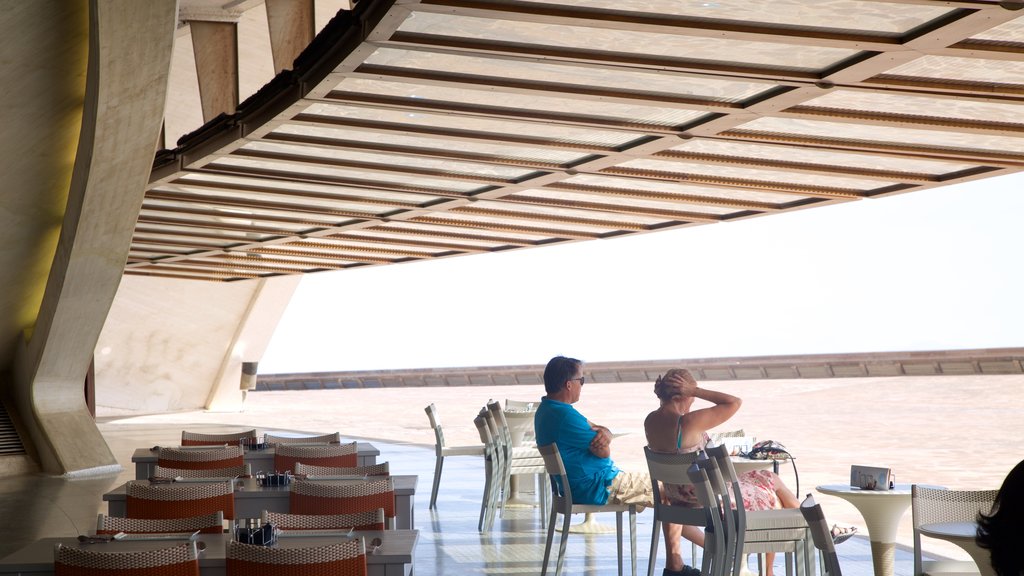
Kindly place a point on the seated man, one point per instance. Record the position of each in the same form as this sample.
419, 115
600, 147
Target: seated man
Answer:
585, 449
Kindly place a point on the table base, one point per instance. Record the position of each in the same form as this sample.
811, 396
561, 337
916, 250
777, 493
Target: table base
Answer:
591, 526
883, 557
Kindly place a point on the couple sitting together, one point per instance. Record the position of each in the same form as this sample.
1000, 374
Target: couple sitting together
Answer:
585, 449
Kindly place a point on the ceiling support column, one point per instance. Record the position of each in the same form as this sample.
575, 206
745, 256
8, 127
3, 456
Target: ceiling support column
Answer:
291, 30
129, 48
215, 45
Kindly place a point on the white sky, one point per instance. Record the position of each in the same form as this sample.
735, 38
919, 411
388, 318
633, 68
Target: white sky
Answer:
932, 270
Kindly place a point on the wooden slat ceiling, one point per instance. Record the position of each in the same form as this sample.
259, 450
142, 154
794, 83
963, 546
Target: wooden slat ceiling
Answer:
418, 130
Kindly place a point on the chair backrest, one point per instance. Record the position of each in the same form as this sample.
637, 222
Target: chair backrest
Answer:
180, 560
200, 439
520, 405
931, 505
335, 455
435, 425
201, 458
716, 513
345, 558
272, 439
561, 492
494, 407
336, 497
381, 469
670, 469
212, 523
725, 482
520, 425
370, 520
229, 472
821, 535
179, 500
497, 439
485, 433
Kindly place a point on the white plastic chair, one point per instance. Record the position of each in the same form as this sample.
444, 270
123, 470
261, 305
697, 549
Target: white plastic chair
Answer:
442, 451
931, 505
821, 536
518, 459
670, 469
759, 531
492, 473
718, 559
561, 503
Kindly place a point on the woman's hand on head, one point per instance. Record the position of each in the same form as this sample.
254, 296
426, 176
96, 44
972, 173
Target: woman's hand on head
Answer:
686, 386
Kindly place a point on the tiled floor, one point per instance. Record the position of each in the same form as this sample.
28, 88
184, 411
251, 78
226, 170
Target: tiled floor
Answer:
37, 506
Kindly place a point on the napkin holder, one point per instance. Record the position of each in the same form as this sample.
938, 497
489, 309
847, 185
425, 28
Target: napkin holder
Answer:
871, 478
250, 531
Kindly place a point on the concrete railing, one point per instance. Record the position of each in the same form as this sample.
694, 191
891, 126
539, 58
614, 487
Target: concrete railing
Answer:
860, 365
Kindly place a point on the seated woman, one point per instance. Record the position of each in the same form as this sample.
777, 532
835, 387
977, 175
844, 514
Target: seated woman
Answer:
674, 428
1000, 530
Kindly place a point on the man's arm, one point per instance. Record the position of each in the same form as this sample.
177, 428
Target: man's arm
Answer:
601, 445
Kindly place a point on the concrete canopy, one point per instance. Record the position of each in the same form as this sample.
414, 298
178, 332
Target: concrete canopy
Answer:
414, 130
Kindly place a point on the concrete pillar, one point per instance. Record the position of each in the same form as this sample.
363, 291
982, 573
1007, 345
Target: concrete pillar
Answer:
129, 47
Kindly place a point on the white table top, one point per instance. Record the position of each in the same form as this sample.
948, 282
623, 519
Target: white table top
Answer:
847, 490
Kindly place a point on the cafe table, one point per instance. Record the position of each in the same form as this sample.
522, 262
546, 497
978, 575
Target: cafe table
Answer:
251, 499
962, 534
882, 511
394, 557
145, 459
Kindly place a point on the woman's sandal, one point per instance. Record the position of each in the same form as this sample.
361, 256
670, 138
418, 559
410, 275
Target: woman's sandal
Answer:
841, 534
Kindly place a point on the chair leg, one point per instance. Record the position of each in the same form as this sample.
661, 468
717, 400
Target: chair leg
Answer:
547, 544
655, 536
632, 540
485, 500
561, 544
618, 538
438, 464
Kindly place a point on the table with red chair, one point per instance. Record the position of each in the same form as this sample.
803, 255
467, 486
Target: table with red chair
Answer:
146, 458
251, 499
394, 557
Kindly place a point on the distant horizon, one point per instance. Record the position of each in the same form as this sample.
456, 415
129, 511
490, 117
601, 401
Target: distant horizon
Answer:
706, 359
931, 270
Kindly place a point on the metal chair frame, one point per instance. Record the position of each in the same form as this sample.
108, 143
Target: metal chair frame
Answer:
930, 505
562, 503
442, 451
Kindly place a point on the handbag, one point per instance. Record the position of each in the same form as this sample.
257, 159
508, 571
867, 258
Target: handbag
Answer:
768, 450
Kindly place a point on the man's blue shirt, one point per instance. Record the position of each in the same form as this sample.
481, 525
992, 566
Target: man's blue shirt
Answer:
589, 476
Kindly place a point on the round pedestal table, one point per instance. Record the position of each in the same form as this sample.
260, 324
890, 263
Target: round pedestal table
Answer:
882, 510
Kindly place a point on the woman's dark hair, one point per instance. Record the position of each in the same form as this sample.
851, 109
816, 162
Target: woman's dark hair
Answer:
559, 370
1000, 530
